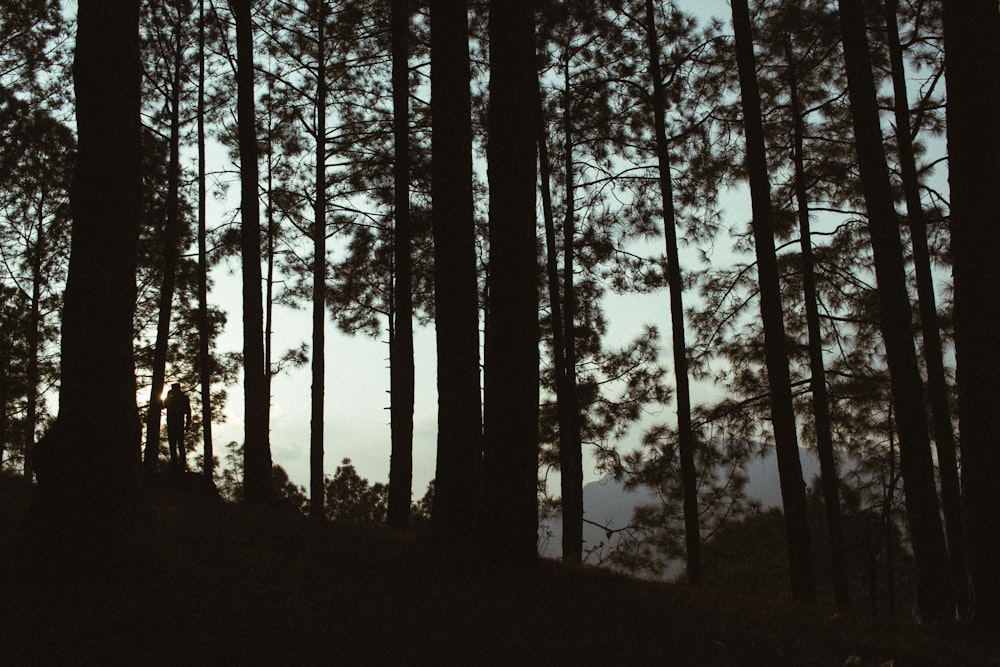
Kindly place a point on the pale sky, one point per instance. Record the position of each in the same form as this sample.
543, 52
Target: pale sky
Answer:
357, 377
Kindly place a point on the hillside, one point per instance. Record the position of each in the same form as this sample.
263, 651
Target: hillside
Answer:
210, 583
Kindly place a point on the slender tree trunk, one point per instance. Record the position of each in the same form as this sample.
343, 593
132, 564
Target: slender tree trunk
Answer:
937, 387
456, 286
890, 524
934, 591
257, 450
34, 324
510, 462
271, 231
88, 463
401, 362
570, 456
204, 358
972, 60
685, 432
829, 476
317, 503
793, 491
171, 236
555, 298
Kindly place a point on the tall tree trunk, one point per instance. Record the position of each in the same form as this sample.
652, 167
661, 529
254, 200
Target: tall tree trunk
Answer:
88, 463
401, 361
685, 432
171, 236
972, 57
456, 286
317, 503
937, 387
510, 461
829, 477
793, 491
204, 359
555, 298
570, 449
34, 325
257, 450
934, 592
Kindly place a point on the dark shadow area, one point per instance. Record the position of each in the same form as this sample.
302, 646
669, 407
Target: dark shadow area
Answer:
208, 582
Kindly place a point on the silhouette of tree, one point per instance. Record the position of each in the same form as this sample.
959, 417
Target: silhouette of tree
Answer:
935, 596
257, 482
35, 172
351, 499
937, 386
168, 41
510, 461
456, 287
793, 498
972, 40
401, 350
88, 462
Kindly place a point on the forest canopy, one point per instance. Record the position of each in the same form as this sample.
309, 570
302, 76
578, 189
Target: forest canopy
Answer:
806, 188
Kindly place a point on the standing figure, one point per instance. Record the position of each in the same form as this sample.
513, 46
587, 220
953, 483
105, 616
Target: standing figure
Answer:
178, 420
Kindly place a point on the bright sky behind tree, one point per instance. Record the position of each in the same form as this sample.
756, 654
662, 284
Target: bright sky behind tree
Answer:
357, 399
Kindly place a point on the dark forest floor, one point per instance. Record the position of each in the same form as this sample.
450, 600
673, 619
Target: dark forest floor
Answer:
210, 583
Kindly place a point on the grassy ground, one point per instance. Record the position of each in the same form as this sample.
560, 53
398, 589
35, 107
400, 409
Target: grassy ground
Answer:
210, 583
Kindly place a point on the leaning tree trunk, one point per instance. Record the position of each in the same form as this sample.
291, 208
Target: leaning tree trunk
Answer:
171, 250
257, 450
456, 287
937, 387
829, 477
401, 353
935, 597
88, 463
510, 463
793, 491
972, 54
685, 431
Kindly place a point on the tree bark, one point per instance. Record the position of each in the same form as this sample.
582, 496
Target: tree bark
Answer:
510, 463
204, 358
317, 503
829, 477
88, 463
171, 236
570, 448
401, 362
935, 597
456, 287
972, 56
256, 401
685, 432
34, 325
937, 387
793, 492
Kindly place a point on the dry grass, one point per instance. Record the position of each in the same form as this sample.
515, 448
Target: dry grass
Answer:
210, 583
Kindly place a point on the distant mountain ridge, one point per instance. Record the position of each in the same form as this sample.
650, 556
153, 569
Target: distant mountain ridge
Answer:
606, 501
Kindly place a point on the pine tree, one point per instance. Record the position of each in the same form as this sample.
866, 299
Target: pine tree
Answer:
935, 596
510, 461
88, 462
972, 39
782, 412
257, 483
456, 289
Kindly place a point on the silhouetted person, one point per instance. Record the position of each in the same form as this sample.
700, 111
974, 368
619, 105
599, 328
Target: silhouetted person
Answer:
178, 420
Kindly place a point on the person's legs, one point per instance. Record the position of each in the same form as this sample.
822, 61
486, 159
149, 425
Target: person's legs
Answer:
173, 439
